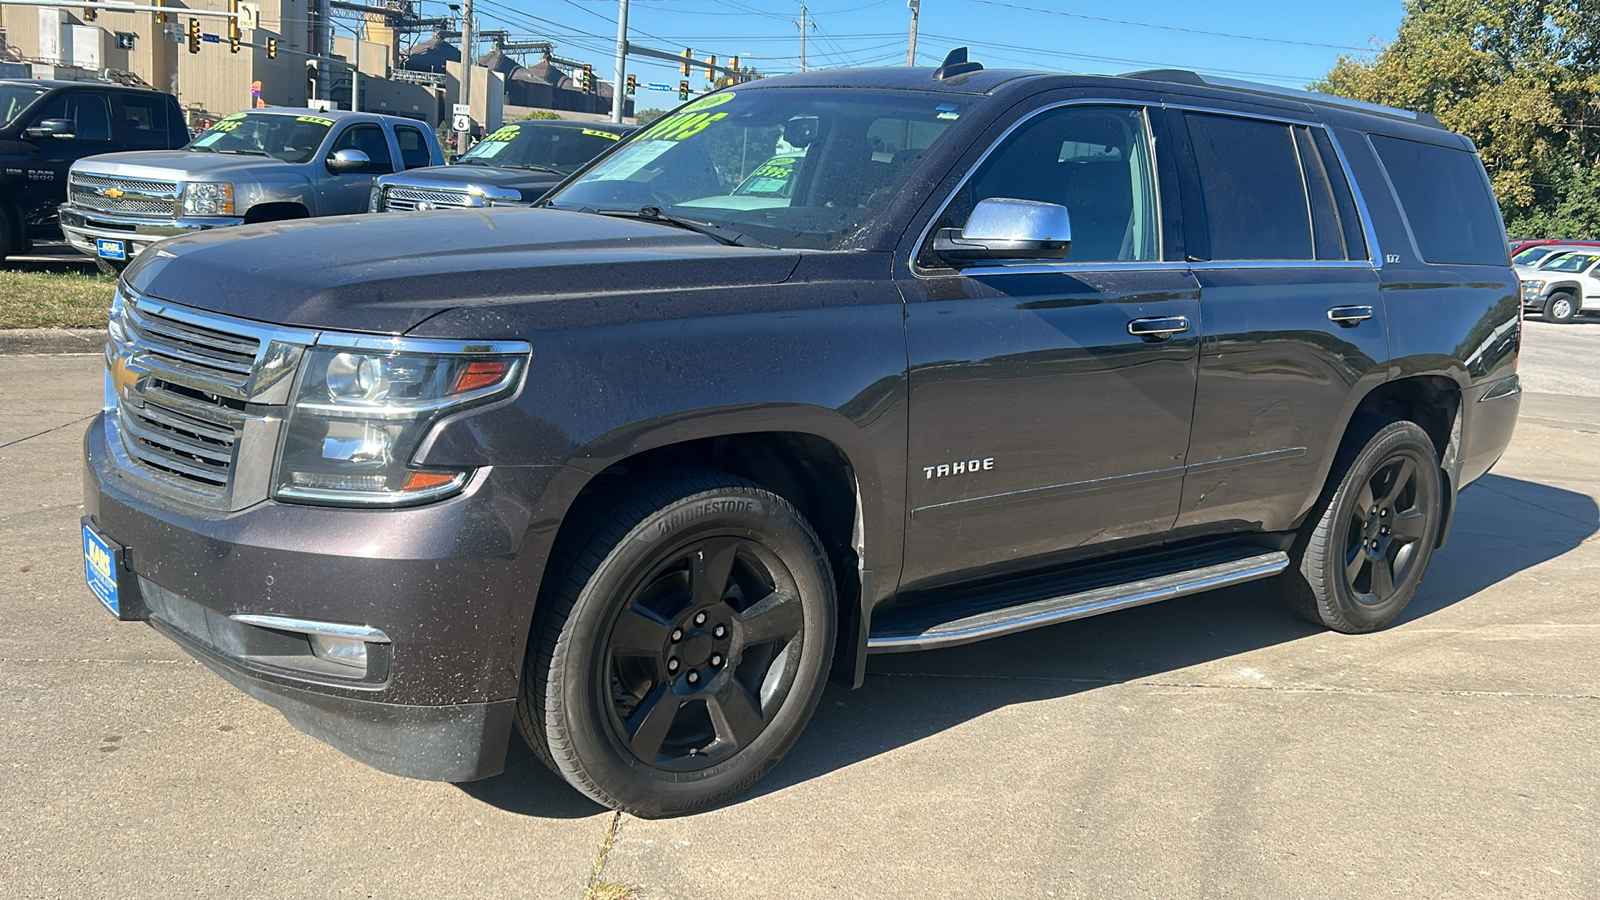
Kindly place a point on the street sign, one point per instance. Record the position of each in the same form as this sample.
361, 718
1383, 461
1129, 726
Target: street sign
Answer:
460, 109
250, 15
211, 38
460, 122
658, 86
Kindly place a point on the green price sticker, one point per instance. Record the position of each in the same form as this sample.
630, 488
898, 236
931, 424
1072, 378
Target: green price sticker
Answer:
604, 134
314, 120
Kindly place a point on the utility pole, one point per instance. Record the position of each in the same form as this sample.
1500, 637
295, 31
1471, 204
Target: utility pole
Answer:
911, 48
803, 37
355, 74
466, 70
617, 101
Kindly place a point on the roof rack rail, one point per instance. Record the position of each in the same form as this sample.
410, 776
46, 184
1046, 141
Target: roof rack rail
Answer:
1184, 76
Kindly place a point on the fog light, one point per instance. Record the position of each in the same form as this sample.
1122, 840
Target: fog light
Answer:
345, 651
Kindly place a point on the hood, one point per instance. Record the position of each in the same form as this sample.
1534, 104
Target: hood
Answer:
497, 176
173, 165
387, 273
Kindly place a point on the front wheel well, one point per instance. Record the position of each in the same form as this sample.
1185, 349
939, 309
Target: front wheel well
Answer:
275, 212
810, 472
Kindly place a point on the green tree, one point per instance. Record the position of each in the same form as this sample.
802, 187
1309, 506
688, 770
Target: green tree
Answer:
539, 115
646, 116
1519, 77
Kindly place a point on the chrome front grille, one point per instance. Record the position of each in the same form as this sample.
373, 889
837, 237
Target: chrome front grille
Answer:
191, 349
182, 437
137, 196
196, 400
399, 198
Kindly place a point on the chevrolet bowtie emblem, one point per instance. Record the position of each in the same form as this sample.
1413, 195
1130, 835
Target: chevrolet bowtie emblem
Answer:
113, 193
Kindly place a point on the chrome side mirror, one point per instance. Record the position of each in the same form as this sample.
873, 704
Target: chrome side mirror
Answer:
1001, 228
56, 128
343, 161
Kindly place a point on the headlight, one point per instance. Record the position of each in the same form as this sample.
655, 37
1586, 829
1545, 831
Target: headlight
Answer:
375, 199
1532, 288
360, 414
208, 198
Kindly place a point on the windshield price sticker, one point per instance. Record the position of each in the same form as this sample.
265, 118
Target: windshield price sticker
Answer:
231, 118
682, 126
602, 134
504, 133
486, 149
225, 126
627, 161
314, 120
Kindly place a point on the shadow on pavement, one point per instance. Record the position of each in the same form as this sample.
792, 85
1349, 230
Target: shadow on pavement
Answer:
1503, 525
51, 258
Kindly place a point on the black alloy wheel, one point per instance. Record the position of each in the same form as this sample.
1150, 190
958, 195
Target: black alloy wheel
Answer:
680, 652
1366, 544
703, 653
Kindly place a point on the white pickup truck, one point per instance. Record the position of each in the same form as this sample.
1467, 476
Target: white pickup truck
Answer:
1562, 286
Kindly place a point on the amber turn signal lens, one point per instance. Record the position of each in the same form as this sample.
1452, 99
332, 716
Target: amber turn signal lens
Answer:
481, 374
420, 480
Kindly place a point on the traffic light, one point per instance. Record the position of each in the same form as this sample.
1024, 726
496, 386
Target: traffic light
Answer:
588, 78
194, 35
233, 26
633, 84
733, 63
90, 14
272, 48
683, 89
161, 17
711, 69
688, 54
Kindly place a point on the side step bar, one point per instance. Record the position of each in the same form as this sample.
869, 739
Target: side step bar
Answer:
1088, 600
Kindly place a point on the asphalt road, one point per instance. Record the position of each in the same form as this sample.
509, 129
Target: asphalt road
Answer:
1206, 747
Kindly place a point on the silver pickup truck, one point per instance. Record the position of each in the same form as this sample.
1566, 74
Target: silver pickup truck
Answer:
258, 166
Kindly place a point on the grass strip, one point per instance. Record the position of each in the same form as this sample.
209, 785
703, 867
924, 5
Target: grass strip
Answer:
54, 300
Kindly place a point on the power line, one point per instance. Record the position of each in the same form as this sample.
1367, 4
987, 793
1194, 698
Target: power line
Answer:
1242, 37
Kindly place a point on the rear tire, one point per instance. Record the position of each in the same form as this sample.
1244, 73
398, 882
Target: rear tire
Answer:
1561, 307
8, 233
107, 267
681, 653
1367, 542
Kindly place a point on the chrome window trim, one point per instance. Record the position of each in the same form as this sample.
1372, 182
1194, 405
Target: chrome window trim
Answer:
1065, 268
1374, 253
1281, 264
1029, 268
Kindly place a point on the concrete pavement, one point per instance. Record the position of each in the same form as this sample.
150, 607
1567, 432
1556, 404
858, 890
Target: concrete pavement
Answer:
1209, 746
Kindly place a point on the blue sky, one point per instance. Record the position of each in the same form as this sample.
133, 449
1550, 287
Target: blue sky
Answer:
1292, 43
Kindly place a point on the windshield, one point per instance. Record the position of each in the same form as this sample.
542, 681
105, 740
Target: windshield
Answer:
1571, 262
14, 98
289, 138
1532, 255
536, 145
805, 168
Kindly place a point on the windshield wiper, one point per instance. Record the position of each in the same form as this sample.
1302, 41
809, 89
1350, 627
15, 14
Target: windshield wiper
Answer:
473, 161
247, 152
536, 167
715, 232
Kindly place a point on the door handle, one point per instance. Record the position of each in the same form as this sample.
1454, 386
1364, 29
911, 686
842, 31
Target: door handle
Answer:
1158, 327
1349, 316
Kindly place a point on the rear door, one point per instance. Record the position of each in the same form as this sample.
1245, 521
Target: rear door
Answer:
1040, 424
1294, 322
142, 120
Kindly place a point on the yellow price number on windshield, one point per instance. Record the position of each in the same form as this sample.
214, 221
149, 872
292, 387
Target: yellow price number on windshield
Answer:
682, 126
225, 125
314, 120
504, 133
602, 134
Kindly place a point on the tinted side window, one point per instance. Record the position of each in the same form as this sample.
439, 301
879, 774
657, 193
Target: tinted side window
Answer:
1095, 161
369, 139
1355, 240
1252, 189
89, 111
144, 119
413, 146
1446, 201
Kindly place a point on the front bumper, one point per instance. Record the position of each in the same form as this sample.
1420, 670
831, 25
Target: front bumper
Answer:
83, 226
445, 582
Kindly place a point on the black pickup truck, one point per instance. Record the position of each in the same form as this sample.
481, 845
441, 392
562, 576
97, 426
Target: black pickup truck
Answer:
46, 126
826, 365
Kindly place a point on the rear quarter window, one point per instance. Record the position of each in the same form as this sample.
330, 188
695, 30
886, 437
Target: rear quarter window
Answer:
1446, 201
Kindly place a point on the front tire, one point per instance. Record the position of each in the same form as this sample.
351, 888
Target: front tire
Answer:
685, 648
1368, 540
1562, 307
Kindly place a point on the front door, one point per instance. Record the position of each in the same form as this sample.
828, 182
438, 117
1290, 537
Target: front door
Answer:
46, 169
350, 192
1041, 423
